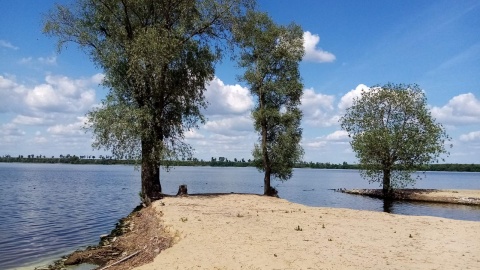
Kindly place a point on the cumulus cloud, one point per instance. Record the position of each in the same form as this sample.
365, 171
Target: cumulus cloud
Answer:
11, 130
40, 140
72, 129
232, 126
463, 109
338, 136
28, 120
312, 53
227, 99
61, 94
315, 144
50, 60
52, 108
347, 100
193, 134
318, 109
470, 137
11, 95
57, 94
8, 45
97, 78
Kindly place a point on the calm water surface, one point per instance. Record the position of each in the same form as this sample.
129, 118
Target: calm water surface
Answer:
48, 210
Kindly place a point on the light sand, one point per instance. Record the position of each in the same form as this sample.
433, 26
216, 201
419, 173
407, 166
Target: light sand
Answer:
455, 196
257, 232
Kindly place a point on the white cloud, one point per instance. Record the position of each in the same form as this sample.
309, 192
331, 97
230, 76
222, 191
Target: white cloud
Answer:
28, 120
26, 60
312, 53
8, 45
347, 100
463, 109
50, 60
232, 126
193, 134
318, 109
45, 61
49, 111
470, 137
98, 78
11, 130
316, 144
61, 94
11, 94
40, 140
57, 94
338, 136
227, 99
11, 137
71, 129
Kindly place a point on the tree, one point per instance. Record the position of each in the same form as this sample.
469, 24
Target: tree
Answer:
157, 57
270, 55
393, 134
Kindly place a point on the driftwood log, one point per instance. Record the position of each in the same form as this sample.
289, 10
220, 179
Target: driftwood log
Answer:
182, 190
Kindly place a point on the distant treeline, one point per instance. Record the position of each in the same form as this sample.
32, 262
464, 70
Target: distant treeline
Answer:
221, 162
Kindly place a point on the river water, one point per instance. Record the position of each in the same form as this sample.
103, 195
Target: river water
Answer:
49, 210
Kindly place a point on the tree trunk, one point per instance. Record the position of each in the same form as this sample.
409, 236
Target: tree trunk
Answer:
387, 189
267, 188
266, 182
151, 188
182, 190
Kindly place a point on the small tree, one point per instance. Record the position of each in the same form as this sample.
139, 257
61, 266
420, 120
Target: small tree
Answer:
270, 55
393, 134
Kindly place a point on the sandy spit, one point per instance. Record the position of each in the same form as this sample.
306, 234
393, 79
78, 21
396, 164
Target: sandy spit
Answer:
257, 232
455, 196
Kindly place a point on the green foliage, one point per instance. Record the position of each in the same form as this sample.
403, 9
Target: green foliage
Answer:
270, 55
393, 134
157, 57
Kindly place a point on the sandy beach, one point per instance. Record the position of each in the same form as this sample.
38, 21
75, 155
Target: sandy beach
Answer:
258, 232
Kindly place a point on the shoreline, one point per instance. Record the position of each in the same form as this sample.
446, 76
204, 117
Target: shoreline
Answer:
233, 226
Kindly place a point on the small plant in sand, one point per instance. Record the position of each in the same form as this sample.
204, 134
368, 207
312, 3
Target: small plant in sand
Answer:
298, 229
184, 219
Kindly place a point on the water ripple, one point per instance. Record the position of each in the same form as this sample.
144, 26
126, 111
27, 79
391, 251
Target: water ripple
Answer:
48, 210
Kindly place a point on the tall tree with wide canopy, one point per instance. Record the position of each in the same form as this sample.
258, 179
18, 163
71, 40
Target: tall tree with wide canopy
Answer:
270, 55
393, 134
157, 56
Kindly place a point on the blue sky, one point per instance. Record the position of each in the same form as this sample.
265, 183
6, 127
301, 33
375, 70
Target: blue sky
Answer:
350, 45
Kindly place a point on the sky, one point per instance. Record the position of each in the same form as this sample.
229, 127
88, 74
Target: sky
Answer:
349, 45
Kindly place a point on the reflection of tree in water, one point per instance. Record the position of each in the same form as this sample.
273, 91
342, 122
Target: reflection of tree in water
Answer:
387, 205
